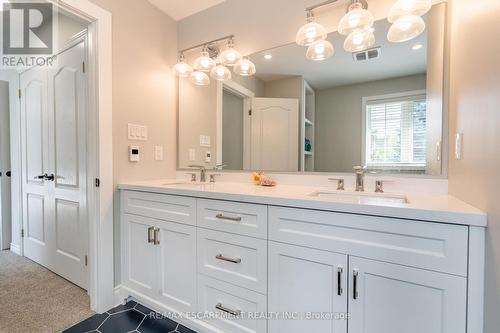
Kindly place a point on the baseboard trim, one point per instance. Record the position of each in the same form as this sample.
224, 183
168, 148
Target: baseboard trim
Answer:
15, 248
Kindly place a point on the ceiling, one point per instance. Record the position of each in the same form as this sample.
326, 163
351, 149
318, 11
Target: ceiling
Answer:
396, 60
179, 9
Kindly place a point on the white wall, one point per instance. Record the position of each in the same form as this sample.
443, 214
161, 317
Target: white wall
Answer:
339, 120
144, 92
475, 112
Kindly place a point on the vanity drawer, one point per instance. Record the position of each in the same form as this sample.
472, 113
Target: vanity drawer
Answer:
432, 246
160, 206
232, 258
233, 217
228, 301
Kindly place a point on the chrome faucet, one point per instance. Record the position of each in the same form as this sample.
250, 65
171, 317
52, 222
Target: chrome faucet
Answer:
203, 172
360, 178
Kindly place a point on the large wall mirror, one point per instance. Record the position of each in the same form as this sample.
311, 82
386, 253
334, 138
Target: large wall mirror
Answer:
381, 108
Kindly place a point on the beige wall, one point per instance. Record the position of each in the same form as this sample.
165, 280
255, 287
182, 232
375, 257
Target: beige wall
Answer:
144, 51
475, 112
339, 120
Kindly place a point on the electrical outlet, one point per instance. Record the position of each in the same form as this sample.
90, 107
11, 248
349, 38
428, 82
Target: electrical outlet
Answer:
192, 155
208, 157
159, 153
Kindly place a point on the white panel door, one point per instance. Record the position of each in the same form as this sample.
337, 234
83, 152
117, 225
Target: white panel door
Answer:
304, 281
389, 298
35, 162
177, 265
54, 130
67, 139
275, 134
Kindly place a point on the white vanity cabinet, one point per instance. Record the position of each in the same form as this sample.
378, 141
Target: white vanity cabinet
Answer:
308, 270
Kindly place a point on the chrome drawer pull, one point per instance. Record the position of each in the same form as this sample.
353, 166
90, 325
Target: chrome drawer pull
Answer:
229, 218
234, 261
156, 238
150, 234
355, 285
221, 307
339, 281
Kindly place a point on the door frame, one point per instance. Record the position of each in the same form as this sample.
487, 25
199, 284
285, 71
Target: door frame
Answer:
247, 95
100, 151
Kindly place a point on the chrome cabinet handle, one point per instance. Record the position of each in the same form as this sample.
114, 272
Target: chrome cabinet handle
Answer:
228, 218
156, 239
150, 234
221, 307
233, 260
340, 291
355, 284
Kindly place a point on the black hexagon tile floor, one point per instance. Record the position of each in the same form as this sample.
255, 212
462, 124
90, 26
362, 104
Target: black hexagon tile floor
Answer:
130, 317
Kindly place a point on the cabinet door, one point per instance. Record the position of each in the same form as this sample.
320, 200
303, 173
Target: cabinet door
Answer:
177, 265
139, 262
304, 282
389, 298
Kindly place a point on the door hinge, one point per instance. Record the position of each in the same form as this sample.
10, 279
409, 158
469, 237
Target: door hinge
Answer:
250, 112
83, 66
86, 260
22, 233
97, 182
19, 93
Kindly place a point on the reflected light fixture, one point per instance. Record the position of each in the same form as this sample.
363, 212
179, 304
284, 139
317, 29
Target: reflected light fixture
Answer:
268, 56
244, 67
200, 78
310, 32
417, 47
356, 18
220, 73
408, 7
204, 63
229, 57
320, 50
406, 28
359, 40
183, 69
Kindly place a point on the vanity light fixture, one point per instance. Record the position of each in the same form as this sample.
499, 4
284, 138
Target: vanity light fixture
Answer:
320, 50
359, 40
200, 78
407, 23
229, 57
204, 63
357, 18
220, 73
183, 69
406, 28
310, 32
245, 67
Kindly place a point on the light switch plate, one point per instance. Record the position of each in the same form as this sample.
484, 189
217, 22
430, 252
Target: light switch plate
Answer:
159, 153
192, 155
205, 141
459, 141
137, 132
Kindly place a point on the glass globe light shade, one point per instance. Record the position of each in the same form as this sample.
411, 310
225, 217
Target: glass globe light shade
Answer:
200, 78
229, 56
359, 40
204, 63
183, 69
220, 73
244, 67
356, 18
406, 28
409, 7
310, 33
320, 50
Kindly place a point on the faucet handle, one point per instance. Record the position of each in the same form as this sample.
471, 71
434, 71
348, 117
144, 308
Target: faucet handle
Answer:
340, 183
379, 185
193, 176
220, 166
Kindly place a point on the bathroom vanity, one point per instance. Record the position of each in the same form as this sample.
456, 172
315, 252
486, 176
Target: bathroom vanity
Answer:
301, 259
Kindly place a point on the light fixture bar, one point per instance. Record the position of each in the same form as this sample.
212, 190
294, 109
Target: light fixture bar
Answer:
324, 3
207, 43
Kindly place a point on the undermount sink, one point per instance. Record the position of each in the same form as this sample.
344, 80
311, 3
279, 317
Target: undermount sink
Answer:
362, 198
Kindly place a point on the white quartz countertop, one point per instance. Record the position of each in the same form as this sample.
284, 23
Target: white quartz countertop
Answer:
421, 206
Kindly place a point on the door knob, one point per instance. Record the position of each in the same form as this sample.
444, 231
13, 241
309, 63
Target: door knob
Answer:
8, 173
40, 177
50, 177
